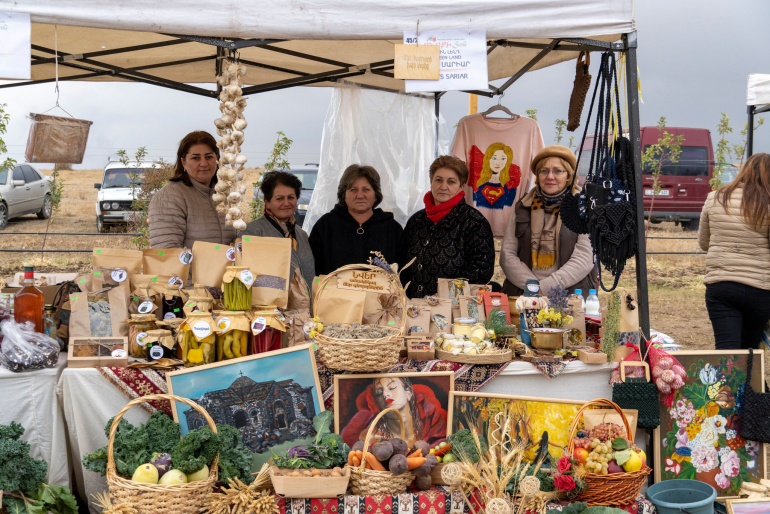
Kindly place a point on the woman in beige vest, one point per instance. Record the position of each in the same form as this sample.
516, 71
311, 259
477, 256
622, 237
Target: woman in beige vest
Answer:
183, 212
735, 231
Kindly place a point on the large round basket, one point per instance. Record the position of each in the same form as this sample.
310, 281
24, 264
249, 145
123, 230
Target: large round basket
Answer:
616, 488
485, 358
363, 355
153, 498
366, 481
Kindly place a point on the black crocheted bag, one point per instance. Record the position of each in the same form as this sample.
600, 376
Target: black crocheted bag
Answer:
756, 410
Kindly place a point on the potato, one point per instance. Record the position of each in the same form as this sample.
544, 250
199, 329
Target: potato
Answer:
423, 483
336, 474
358, 446
296, 473
397, 464
338, 470
315, 472
307, 473
424, 470
422, 446
399, 446
382, 451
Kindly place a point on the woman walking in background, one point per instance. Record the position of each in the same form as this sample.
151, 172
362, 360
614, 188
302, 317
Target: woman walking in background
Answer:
735, 231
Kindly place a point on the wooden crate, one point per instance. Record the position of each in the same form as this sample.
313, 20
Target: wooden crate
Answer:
310, 487
87, 352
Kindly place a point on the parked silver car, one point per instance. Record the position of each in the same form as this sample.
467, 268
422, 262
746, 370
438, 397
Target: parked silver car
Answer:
24, 190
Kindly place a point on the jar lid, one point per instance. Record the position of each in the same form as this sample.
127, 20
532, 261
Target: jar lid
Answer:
465, 321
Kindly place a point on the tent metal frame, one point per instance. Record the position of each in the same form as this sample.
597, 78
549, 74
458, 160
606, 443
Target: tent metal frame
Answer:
753, 110
88, 63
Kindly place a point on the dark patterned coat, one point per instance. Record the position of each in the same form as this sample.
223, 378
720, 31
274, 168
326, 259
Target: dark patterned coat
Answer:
459, 246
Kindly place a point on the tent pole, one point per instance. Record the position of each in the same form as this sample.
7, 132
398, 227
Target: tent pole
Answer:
635, 135
750, 135
524, 69
436, 106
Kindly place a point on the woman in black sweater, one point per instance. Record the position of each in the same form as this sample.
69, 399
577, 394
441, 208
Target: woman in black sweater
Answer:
449, 238
355, 227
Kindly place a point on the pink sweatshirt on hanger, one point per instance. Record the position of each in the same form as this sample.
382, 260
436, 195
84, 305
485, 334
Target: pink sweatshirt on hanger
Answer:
498, 152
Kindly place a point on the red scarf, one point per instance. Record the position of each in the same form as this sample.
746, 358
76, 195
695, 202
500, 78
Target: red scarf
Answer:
435, 212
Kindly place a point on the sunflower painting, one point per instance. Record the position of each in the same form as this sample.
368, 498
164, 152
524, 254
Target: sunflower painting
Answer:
533, 417
699, 435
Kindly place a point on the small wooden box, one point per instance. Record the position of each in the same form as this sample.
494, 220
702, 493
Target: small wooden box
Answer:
592, 356
86, 352
421, 349
310, 487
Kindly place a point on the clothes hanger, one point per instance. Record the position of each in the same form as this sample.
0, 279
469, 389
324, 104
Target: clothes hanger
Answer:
499, 107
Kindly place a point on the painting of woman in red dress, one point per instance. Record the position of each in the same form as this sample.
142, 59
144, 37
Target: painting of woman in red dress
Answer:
421, 400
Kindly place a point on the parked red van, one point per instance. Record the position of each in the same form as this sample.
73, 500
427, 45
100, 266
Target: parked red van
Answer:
684, 185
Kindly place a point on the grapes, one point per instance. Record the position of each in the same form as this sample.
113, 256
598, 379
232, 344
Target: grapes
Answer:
607, 432
599, 458
582, 442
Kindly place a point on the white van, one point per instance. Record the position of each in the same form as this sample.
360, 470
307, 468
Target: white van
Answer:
117, 190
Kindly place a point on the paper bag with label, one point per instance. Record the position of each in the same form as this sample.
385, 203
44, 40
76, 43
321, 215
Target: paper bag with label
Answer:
496, 302
440, 312
389, 315
299, 292
99, 314
453, 288
418, 317
129, 261
209, 263
167, 261
480, 288
576, 334
472, 307
629, 311
340, 305
102, 277
372, 304
269, 259
145, 300
295, 328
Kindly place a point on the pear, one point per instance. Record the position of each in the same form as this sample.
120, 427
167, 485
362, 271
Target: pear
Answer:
173, 476
201, 474
634, 463
146, 474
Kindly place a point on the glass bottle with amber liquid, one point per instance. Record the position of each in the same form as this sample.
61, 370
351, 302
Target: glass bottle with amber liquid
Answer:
29, 302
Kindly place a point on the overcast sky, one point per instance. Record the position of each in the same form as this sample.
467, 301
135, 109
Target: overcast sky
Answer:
694, 58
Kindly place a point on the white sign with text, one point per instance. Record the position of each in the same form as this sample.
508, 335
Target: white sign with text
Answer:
462, 60
15, 46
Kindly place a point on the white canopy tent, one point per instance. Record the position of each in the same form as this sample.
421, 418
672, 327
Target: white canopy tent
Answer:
758, 101
285, 43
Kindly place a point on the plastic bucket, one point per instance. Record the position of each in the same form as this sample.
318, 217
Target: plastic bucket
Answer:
682, 496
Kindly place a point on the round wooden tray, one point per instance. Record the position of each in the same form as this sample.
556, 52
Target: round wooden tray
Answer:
487, 358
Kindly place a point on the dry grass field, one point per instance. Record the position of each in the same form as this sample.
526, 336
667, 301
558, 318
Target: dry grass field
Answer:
676, 287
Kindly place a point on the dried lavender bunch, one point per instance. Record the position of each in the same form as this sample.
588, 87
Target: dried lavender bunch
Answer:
558, 298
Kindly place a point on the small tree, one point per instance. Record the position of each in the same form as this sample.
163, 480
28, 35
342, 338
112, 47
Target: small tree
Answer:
666, 151
5, 118
571, 139
740, 150
276, 161
560, 125
722, 156
531, 113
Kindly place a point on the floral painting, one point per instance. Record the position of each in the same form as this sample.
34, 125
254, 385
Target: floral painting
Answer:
699, 435
533, 416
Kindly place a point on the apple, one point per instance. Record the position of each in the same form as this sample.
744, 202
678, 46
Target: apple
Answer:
580, 455
613, 467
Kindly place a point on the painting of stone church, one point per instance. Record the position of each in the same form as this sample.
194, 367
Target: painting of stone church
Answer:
266, 413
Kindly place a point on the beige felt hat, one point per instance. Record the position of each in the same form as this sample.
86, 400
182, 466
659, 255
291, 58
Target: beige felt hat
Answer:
554, 151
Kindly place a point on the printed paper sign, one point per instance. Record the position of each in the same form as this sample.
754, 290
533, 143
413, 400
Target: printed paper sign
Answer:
15, 46
230, 254
462, 61
258, 325
119, 275
145, 307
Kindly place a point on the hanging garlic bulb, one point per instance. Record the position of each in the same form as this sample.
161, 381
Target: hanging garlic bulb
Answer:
241, 160
234, 197
218, 197
239, 225
240, 124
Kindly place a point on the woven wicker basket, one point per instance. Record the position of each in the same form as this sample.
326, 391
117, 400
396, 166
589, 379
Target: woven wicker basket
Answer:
486, 358
153, 498
366, 481
614, 489
364, 355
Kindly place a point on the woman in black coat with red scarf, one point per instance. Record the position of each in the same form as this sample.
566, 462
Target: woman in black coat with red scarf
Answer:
449, 238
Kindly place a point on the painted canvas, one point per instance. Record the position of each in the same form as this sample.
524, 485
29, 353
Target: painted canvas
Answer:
757, 506
271, 398
421, 398
699, 435
533, 416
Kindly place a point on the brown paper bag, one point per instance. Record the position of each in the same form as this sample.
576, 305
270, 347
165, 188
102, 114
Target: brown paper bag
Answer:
340, 305
577, 329
128, 260
102, 277
167, 261
418, 314
146, 300
453, 289
209, 263
389, 314
100, 313
480, 288
472, 307
440, 313
299, 293
198, 290
269, 258
372, 303
295, 333
238, 252
198, 304
629, 315
593, 417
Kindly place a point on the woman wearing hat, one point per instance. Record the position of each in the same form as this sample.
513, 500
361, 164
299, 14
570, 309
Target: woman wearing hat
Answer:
536, 244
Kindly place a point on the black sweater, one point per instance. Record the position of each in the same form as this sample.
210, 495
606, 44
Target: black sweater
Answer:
459, 246
336, 241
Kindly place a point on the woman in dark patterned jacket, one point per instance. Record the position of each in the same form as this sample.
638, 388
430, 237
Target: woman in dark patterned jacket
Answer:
449, 238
